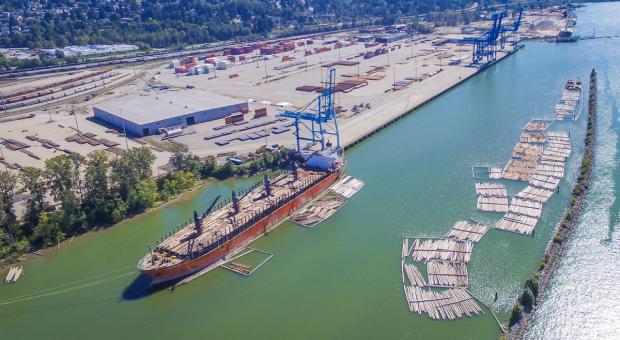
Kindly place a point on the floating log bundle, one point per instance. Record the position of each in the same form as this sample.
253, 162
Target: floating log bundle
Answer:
467, 232
347, 187
441, 249
533, 137
566, 108
492, 197
517, 223
535, 194
525, 207
414, 276
318, 211
447, 274
536, 125
449, 304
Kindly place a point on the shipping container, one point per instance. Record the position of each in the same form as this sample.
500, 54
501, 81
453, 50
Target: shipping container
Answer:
262, 112
234, 118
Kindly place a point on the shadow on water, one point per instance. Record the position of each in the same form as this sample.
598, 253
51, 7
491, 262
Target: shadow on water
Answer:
141, 287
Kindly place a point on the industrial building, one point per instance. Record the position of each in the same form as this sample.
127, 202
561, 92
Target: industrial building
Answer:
147, 112
389, 38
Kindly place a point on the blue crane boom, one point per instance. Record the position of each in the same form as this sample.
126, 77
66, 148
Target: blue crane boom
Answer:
512, 28
315, 125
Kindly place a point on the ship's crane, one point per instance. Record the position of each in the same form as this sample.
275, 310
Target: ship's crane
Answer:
198, 226
316, 123
511, 29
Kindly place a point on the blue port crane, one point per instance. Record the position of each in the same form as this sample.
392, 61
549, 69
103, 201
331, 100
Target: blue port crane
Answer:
511, 29
485, 46
316, 123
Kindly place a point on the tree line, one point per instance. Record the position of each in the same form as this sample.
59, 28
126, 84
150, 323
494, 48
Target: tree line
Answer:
73, 194
168, 23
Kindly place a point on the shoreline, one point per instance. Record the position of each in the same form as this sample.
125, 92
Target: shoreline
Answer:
41, 252
570, 219
354, 140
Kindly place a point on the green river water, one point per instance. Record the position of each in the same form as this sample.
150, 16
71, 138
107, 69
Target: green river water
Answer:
341, 279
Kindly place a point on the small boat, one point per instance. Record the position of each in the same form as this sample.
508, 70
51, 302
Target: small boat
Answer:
18, 273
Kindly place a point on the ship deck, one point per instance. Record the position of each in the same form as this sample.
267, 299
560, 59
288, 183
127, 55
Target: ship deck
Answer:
224, 221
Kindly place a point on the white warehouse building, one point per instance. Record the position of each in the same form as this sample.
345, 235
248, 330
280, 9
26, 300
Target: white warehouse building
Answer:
144, 113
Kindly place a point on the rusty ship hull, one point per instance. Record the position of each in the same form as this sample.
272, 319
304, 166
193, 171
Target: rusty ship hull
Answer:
233, 245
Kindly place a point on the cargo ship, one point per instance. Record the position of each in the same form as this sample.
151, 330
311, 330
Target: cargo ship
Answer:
216, 235
566, 35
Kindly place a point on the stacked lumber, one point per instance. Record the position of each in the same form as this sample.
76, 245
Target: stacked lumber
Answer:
467, 232
441, 249
449, 304
447, 274
13, 145
492, 197
46, 143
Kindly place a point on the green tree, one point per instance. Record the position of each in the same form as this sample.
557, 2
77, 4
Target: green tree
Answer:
176, 183
62, 175
224, 171
98, 201
49, 231
33, 182
183, 160
135, 165
143, 196
8, 220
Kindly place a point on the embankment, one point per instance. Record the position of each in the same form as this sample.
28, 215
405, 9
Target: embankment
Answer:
534, 290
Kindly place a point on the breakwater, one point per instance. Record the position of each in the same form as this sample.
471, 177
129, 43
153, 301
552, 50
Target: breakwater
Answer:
534, 288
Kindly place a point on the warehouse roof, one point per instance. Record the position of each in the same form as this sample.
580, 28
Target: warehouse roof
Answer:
152, 106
